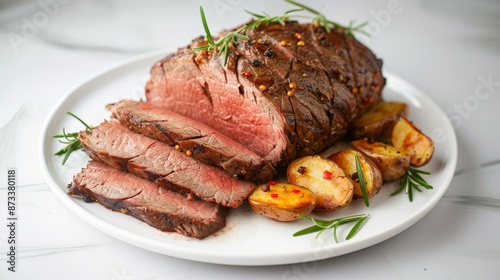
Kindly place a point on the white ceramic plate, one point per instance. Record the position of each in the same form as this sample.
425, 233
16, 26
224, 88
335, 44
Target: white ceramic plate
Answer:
248, 239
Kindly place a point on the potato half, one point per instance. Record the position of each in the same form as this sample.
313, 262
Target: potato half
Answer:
282, 202
392, 162
376, 122
408, 137
324, 178
372, 175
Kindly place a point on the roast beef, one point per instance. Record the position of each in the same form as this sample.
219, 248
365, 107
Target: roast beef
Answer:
146, 201
116, 145
202, 142
288, 91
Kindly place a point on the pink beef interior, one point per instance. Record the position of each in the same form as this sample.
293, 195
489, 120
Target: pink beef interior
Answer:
181, 85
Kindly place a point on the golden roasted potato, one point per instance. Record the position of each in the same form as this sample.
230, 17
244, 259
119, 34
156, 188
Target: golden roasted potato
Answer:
282, 202
391, 161
408, 137
372, 175
376, 122
324, 178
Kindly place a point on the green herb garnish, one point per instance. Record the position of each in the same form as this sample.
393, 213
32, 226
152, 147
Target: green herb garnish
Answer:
321, 226
362, 183
71, 140
222, 44
412, 179
328, 24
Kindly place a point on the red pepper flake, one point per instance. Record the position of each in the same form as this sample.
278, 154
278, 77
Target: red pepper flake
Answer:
271, 183
327, 175
274, 195
295, 191
247, 74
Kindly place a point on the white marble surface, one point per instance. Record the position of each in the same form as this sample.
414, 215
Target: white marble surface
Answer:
448, 49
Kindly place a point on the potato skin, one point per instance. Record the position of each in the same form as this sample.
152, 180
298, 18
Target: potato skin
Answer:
376, 122
324, 178
407, 136
346, 159
282, 202
392, 162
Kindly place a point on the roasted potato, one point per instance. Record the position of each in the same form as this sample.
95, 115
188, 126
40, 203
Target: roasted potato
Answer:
376, 122
282, 202
324, 178
392, 162
372, 175
408, 137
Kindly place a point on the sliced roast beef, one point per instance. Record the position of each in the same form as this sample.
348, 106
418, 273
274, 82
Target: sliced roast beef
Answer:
204, 143
146, 201
116, 145
288, 91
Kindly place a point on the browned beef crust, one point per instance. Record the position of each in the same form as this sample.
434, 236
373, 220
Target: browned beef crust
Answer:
288, 91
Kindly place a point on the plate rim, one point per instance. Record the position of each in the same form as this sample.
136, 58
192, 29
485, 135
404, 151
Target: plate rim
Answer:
216, 257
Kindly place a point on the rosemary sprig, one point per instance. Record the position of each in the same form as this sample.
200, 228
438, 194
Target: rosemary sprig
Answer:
321, 226
222, 44
328, 24
362, 183
412, 179
71, 140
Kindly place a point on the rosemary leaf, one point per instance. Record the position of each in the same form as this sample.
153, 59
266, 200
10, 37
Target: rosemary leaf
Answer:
335, 237
88, 127
420, 171
415, 176
349, 219
318, 222
321, 226
409, 189
308, 230
415, 186
362, 183
205, 26
412, 180
356, 228
302, 6
255, 15
402, 185
71, 141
